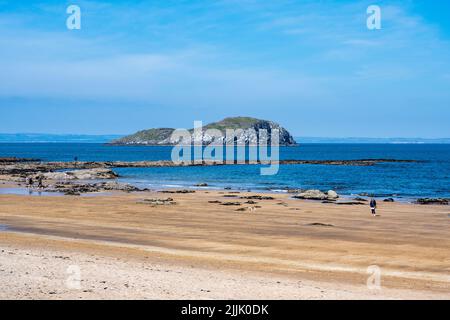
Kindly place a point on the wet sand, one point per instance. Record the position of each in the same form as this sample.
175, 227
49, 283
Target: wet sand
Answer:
275, 249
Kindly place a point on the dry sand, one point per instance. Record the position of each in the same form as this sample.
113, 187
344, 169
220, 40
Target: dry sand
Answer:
201, 250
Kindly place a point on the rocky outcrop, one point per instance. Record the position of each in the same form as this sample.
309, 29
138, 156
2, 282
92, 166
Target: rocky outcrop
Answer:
11, 160
312, 195
87, 174
247, 131
438, 201
258, 197
70, 188
331, 194
116, 186
317, 195
24, 169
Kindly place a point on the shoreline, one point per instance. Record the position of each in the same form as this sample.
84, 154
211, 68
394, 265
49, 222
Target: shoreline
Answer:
18, 169
17, 188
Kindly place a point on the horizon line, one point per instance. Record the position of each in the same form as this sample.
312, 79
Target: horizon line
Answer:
295, 136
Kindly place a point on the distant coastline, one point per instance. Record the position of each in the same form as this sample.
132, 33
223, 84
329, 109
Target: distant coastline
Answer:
372, 140
85, 138
55, 138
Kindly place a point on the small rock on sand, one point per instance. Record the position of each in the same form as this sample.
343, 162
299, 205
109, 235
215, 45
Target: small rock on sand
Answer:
318, 224
177, 191
231, 204
158, 202
258, 197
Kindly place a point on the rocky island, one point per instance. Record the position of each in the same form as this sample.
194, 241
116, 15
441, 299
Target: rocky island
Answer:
250, 130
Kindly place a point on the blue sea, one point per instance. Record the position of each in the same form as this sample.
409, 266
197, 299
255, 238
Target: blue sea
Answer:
428, 178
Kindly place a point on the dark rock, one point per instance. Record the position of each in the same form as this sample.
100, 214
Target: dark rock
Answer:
72, 193
4, 160
317, 224
177, 191
438, 201
201, 185
231, 204
349, 203
389, 200
258, 197
158, 202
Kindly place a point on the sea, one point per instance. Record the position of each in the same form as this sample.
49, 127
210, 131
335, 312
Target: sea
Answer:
429, 177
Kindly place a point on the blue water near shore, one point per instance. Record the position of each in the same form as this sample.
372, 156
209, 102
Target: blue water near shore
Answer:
428, 178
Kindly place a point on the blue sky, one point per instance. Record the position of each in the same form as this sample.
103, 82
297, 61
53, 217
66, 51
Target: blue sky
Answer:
312, 66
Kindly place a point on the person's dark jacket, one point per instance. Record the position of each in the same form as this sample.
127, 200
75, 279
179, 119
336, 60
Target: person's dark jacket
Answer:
373, 203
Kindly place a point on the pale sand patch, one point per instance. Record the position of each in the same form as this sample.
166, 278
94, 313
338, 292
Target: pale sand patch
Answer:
48, 274
207, 246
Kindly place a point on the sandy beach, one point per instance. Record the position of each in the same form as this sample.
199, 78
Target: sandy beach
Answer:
195, 247
225, 150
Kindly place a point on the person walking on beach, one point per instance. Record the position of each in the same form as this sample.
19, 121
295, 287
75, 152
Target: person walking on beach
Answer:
30, 182
373, 206
40, 184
